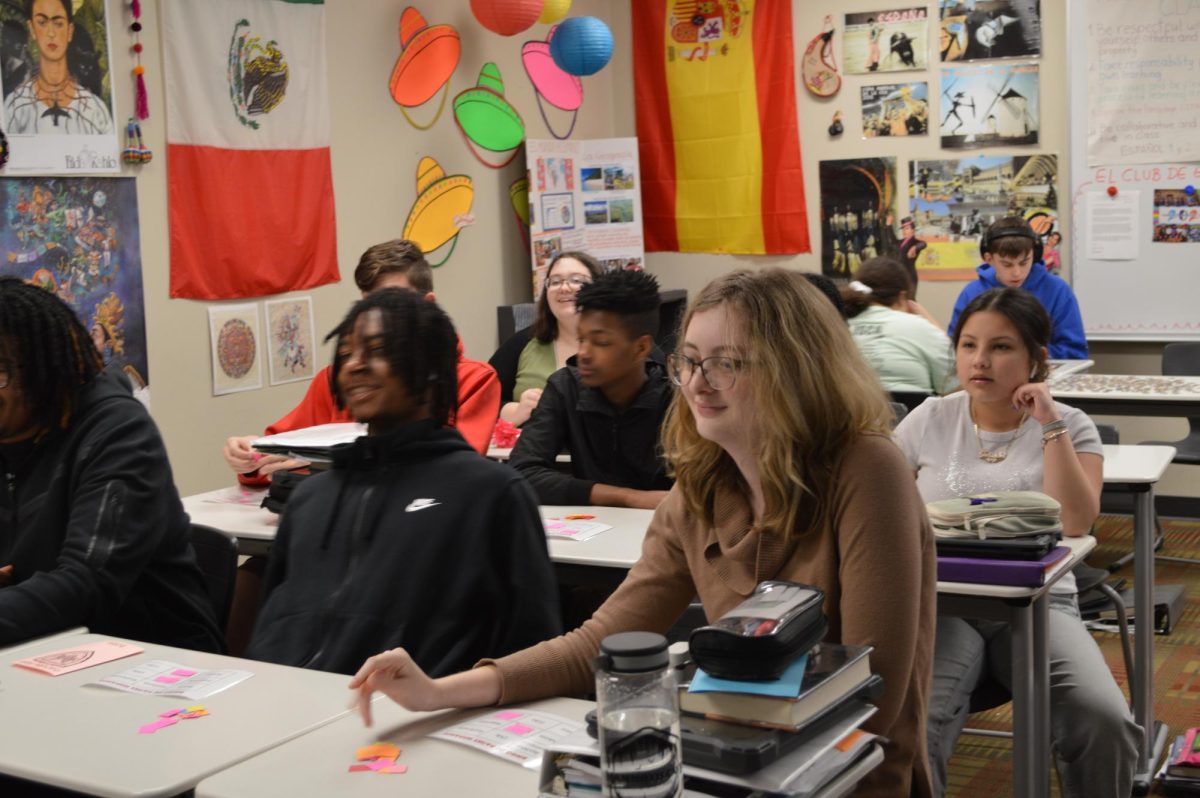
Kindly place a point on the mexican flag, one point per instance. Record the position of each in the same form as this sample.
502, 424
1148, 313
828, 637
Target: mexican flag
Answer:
715, 92
249, 185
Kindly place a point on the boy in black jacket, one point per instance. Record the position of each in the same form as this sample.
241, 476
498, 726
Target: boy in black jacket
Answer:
411, 539
605, 407
92, 531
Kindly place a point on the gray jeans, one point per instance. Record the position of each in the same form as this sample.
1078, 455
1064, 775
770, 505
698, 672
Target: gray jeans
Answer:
1093, 732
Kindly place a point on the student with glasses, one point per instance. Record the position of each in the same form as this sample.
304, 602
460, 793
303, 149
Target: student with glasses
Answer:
527, 359
778, 437
606, 407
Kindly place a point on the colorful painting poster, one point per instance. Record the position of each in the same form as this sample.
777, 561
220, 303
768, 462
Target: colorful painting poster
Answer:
895, 109
1176, 216
952, 203
57, 88
291, 351
989, 105
858, 207
78, 238
584, 195
978, 29
886, 41
233, 333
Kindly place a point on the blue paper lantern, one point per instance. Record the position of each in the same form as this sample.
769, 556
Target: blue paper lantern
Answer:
581, 45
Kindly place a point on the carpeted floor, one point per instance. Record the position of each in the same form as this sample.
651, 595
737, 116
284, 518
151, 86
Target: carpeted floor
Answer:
981, 766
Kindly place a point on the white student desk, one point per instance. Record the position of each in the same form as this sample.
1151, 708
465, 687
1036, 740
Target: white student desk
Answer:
58, 732
1138, 468
1128, 394
253, 526
318, 763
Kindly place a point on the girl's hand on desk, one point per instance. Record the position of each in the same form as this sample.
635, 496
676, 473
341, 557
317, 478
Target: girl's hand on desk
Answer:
394, 674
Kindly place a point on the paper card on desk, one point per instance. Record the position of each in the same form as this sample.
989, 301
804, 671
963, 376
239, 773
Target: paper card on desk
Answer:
69, 660
249, 497
786, 686
159, 677
516, 735
574, 530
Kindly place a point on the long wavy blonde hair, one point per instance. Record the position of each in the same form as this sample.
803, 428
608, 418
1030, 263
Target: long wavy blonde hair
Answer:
812, 394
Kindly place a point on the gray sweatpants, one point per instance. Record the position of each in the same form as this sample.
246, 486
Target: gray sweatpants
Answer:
1093, 732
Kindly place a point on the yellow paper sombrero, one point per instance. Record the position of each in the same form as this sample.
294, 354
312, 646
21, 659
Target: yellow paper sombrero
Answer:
441, 200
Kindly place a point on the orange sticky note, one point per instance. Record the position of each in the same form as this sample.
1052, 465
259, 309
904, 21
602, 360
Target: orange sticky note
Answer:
578, 517
847, 742
378, 751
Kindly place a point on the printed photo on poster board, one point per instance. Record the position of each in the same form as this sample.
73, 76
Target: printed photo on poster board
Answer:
234, 336
78, 237
895, 109
978, 29
291, 350
584, 195
57, 87
952, 202
858, 206
1176, 216
989, 105
894, 40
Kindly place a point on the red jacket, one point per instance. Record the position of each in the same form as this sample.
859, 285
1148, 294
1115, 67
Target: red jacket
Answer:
478, 408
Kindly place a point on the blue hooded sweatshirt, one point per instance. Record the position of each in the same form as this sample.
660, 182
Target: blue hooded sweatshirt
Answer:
1066, 331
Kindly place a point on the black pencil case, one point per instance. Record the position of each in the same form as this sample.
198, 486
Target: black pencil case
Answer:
759, 638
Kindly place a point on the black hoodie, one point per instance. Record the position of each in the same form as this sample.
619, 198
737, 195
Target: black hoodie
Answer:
413, 540
92, 524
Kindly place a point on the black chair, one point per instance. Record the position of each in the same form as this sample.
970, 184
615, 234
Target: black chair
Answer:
217, 556
910, 399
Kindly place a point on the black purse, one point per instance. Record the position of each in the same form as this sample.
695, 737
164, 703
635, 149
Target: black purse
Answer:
760, 637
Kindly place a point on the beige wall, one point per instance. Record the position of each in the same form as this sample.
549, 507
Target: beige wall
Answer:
375, 154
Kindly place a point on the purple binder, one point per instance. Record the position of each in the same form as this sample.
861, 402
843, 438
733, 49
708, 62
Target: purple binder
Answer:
1017, 573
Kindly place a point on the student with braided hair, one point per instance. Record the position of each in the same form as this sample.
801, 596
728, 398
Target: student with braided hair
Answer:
92, 531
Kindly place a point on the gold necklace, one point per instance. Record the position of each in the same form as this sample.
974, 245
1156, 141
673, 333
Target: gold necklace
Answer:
989, 456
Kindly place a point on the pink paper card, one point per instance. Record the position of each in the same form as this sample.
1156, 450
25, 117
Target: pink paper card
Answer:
508, 714
183, 672
518, 728
69, 660
166, 679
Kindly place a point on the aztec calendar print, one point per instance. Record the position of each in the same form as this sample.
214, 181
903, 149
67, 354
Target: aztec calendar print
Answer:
236, 348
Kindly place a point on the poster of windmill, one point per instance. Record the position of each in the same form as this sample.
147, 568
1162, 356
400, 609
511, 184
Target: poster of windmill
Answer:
993, 105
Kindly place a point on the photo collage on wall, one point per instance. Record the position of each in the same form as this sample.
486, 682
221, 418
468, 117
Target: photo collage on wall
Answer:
1176, 216
985, 95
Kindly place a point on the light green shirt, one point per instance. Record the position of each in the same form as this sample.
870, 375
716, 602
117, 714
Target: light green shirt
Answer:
534, 367
906, 351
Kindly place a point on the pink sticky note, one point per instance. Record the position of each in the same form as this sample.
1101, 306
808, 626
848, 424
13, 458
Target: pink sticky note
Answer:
358, 768
380, 764
393, 769
161, 723
69, 660
170, 713
508, 714
519, 728
183, 672
164, 679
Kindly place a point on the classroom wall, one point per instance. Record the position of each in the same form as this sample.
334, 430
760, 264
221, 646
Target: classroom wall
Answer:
375, 153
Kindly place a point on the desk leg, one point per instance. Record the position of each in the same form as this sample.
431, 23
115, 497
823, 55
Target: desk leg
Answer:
1143, 697
1031, 707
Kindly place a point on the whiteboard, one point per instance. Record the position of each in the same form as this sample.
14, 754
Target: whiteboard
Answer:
1156, 296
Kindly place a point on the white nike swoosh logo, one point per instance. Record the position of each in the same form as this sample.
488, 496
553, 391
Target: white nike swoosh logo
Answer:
420, 504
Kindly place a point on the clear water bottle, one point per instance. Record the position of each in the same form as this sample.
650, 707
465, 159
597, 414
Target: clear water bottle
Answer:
637, 709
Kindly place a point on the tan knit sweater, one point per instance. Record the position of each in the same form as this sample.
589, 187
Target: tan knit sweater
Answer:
875, 564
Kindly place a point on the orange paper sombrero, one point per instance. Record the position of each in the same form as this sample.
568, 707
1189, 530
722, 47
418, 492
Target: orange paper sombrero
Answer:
428, 57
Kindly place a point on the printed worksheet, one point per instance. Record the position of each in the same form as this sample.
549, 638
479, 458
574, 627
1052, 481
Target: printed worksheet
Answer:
516, 735
159, 677
574, 530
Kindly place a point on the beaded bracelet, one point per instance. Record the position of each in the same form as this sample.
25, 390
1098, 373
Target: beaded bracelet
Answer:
1050, 426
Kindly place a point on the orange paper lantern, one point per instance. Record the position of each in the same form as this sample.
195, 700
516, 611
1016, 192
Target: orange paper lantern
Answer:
507, 17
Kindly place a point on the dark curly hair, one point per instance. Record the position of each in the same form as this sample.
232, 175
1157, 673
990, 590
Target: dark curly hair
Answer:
50, 354
633, 296
420, 344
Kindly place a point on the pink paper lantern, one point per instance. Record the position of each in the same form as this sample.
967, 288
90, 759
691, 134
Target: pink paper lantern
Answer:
507, 17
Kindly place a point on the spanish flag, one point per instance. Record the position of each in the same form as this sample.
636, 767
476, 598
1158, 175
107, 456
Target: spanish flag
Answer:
717, 130
249, 182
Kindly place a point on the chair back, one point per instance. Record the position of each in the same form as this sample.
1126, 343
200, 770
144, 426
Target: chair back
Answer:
217, 556
1109, 434
1182, 359
910, 399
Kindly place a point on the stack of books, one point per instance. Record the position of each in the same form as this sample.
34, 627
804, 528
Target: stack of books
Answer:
1180, 772
795, 736
314, 444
